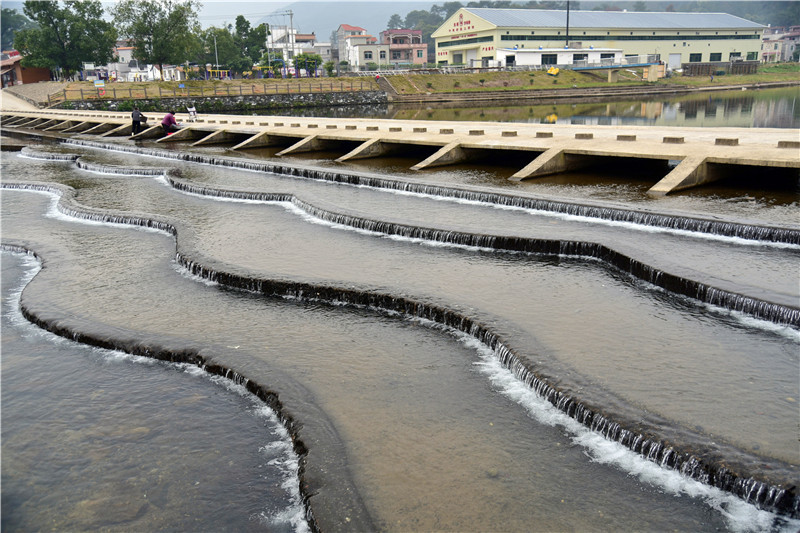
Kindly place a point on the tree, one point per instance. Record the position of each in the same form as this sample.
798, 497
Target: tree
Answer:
395, 22
217, 47
640, 7
66, 36
161, 31
449, 8
12, 21
308, 61
250, 41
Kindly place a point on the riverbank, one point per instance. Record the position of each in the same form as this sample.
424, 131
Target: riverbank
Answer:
469, 88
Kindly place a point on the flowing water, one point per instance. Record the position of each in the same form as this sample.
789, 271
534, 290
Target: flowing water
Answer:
408, 423
99, 440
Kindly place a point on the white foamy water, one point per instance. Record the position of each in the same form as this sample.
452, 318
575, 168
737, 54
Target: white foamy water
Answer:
740, 516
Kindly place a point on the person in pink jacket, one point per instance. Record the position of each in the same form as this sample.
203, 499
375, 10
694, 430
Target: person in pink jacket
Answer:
169, 123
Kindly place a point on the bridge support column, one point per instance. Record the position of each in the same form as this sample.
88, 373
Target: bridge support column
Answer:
183, 134
61, 125
80, 126
125, 129
258, 140
100, 128
153, 132
552, 161
218, 137
448, 154
311, 143
613, 75
692, 171
371, 148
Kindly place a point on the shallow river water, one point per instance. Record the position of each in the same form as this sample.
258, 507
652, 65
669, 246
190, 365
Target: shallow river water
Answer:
405, 424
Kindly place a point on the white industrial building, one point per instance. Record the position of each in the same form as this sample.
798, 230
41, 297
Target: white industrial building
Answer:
475, 36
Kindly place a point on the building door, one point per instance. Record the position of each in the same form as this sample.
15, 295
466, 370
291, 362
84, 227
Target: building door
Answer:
511, 61
674, 61
458, 59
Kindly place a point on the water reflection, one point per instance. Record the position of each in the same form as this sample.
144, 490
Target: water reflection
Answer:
766, 108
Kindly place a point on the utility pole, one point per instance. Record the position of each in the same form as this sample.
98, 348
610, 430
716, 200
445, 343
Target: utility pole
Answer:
216, 56
291, 33
567, 43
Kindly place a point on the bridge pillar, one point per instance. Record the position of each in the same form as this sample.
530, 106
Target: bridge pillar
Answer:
125, 129
61, 125
218, 137
552, 161
80, 127
613, 75
153, 132
312, 143
184, 134
692, 171
370, 148
448, 154
258, 140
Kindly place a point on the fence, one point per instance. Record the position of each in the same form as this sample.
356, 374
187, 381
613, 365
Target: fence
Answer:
142, 92
709, 69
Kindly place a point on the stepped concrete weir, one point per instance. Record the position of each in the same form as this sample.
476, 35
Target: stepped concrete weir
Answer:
703, 155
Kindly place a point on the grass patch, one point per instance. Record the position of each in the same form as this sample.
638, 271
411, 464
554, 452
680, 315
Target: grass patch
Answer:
498, 81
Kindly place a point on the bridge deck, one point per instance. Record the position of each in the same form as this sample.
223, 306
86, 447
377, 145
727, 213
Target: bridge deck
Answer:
702, 154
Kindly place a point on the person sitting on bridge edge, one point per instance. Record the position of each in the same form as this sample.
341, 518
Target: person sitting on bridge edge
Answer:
169, 123
136, 121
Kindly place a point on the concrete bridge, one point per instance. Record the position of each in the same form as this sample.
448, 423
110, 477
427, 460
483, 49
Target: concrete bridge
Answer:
696, 155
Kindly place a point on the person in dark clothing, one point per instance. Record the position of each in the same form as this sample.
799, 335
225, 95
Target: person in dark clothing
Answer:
136, 121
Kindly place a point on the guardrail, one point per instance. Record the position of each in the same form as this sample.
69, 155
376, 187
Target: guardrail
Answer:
110, 92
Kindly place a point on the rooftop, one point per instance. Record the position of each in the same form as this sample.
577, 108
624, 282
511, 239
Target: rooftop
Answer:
544, 18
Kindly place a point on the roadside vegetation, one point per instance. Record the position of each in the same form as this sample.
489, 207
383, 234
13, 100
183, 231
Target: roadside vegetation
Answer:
538, 80
766, 73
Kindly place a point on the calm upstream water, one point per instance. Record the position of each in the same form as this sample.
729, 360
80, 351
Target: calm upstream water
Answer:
409, 426
769, 108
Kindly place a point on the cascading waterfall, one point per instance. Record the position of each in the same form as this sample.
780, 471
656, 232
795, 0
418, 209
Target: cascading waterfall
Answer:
764, 310
643, 218
756, 492
117, 170
27, 151
776, 313
760, 493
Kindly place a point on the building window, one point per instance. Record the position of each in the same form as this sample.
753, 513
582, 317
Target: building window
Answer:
752, 56
395, 55
367, 55
715, 57
549, 59
735, 56
695, 58
420, 54
383, 54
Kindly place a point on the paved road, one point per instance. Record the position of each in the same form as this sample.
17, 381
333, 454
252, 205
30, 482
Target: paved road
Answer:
9, 102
